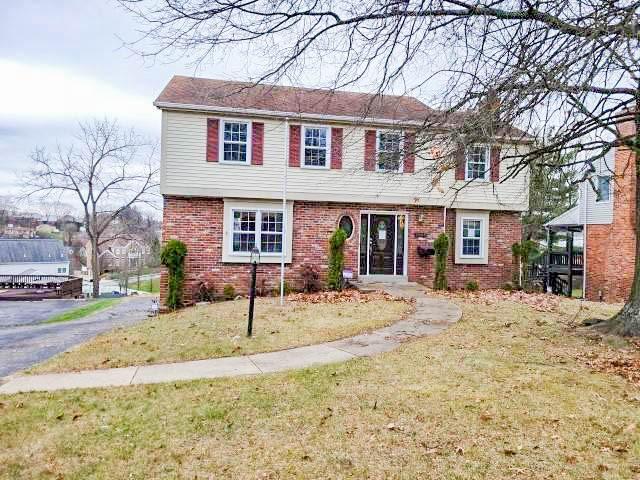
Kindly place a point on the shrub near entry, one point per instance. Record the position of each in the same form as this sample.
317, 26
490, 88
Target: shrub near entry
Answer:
336, 259
441, 246
172, 257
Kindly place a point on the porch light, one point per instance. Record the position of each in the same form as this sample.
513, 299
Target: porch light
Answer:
255, 256
254, 260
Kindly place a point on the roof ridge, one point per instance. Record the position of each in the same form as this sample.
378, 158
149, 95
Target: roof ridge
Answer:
307, 89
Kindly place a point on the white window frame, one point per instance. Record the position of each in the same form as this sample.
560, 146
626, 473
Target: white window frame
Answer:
484, 217
601, 201
462, 237
377, 164
487, 171
221, 141
257, 232
303, 147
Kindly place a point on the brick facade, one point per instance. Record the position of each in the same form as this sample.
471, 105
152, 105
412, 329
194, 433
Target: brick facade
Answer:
609, 274
199, 223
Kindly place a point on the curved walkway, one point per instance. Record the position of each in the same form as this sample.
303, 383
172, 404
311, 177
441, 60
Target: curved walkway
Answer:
431, 316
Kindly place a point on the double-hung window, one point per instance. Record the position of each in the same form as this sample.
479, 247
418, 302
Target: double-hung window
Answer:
471, 237
477, 162
316, 147
389, 158
236, 142
603, 193
261, 229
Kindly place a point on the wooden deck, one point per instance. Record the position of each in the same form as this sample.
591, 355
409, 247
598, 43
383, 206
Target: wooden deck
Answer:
39, 287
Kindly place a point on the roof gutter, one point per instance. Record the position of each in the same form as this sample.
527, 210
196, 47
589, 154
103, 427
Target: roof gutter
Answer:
284, 115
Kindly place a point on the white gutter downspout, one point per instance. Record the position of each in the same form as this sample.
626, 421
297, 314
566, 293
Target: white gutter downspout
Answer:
583, 200
444, 220
284, 209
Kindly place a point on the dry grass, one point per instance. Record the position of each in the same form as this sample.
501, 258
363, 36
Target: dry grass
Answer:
499, 395
219, 330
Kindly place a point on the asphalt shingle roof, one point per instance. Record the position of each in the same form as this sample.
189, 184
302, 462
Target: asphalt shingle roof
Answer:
276, 98
37, 250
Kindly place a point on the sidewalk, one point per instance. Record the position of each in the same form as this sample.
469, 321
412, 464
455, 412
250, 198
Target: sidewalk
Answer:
430, 317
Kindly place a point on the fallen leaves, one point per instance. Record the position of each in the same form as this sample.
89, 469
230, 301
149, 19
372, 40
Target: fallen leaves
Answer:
345, 296
625, 363
540, 302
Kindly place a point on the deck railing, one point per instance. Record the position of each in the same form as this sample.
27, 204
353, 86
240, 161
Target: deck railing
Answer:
63, 285
562, 259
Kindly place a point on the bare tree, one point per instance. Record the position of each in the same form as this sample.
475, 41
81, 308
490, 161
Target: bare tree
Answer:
108, 169
566, 71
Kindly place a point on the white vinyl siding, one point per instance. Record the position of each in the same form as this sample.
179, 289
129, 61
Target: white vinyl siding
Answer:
185, 171
592, 211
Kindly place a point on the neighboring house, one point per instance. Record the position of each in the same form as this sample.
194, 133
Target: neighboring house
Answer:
230, 151
129, 253
605, 219
120, 254
33, 257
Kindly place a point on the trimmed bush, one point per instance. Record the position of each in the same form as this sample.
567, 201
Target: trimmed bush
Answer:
310, 278
172, 257
229, 292
472, 286
441, 246
336, 259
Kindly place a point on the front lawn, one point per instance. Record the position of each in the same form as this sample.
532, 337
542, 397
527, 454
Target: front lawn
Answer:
150, 285
503, 394
219, 330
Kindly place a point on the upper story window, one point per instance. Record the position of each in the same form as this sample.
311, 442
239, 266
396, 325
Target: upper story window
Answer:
235, 142
389, 157
477, 162
603, 194
257, 228
316, 147
471, 237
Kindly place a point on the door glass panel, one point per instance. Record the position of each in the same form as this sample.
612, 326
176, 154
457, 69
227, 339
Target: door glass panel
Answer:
401, 226
364, 240
382, 236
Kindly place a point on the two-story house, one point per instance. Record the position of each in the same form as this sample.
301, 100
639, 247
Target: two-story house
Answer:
604, 222
279, 169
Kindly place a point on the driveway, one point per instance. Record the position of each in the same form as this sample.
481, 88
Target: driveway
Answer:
25, 344
13, 314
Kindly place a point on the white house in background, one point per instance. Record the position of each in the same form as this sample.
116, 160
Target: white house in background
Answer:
36, 256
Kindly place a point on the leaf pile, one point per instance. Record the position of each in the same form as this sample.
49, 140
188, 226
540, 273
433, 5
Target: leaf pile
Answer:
625, 363
540, 302
345, 296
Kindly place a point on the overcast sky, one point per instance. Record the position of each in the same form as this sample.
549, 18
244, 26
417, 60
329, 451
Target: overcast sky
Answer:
63, 61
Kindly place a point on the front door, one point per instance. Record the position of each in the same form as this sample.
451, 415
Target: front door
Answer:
382, 238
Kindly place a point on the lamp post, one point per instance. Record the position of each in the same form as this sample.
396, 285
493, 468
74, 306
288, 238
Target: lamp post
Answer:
255, 260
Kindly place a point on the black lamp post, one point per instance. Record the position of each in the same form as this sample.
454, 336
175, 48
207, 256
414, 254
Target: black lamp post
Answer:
255, 260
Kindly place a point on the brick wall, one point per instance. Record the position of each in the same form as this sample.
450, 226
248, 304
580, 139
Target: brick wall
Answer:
611, 248
199, 223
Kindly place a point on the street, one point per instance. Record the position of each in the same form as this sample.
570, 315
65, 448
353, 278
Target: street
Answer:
23, 343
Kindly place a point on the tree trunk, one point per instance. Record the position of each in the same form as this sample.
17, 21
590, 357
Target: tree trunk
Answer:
627, 321
95, 267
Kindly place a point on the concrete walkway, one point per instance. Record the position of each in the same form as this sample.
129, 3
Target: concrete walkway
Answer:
430, 317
